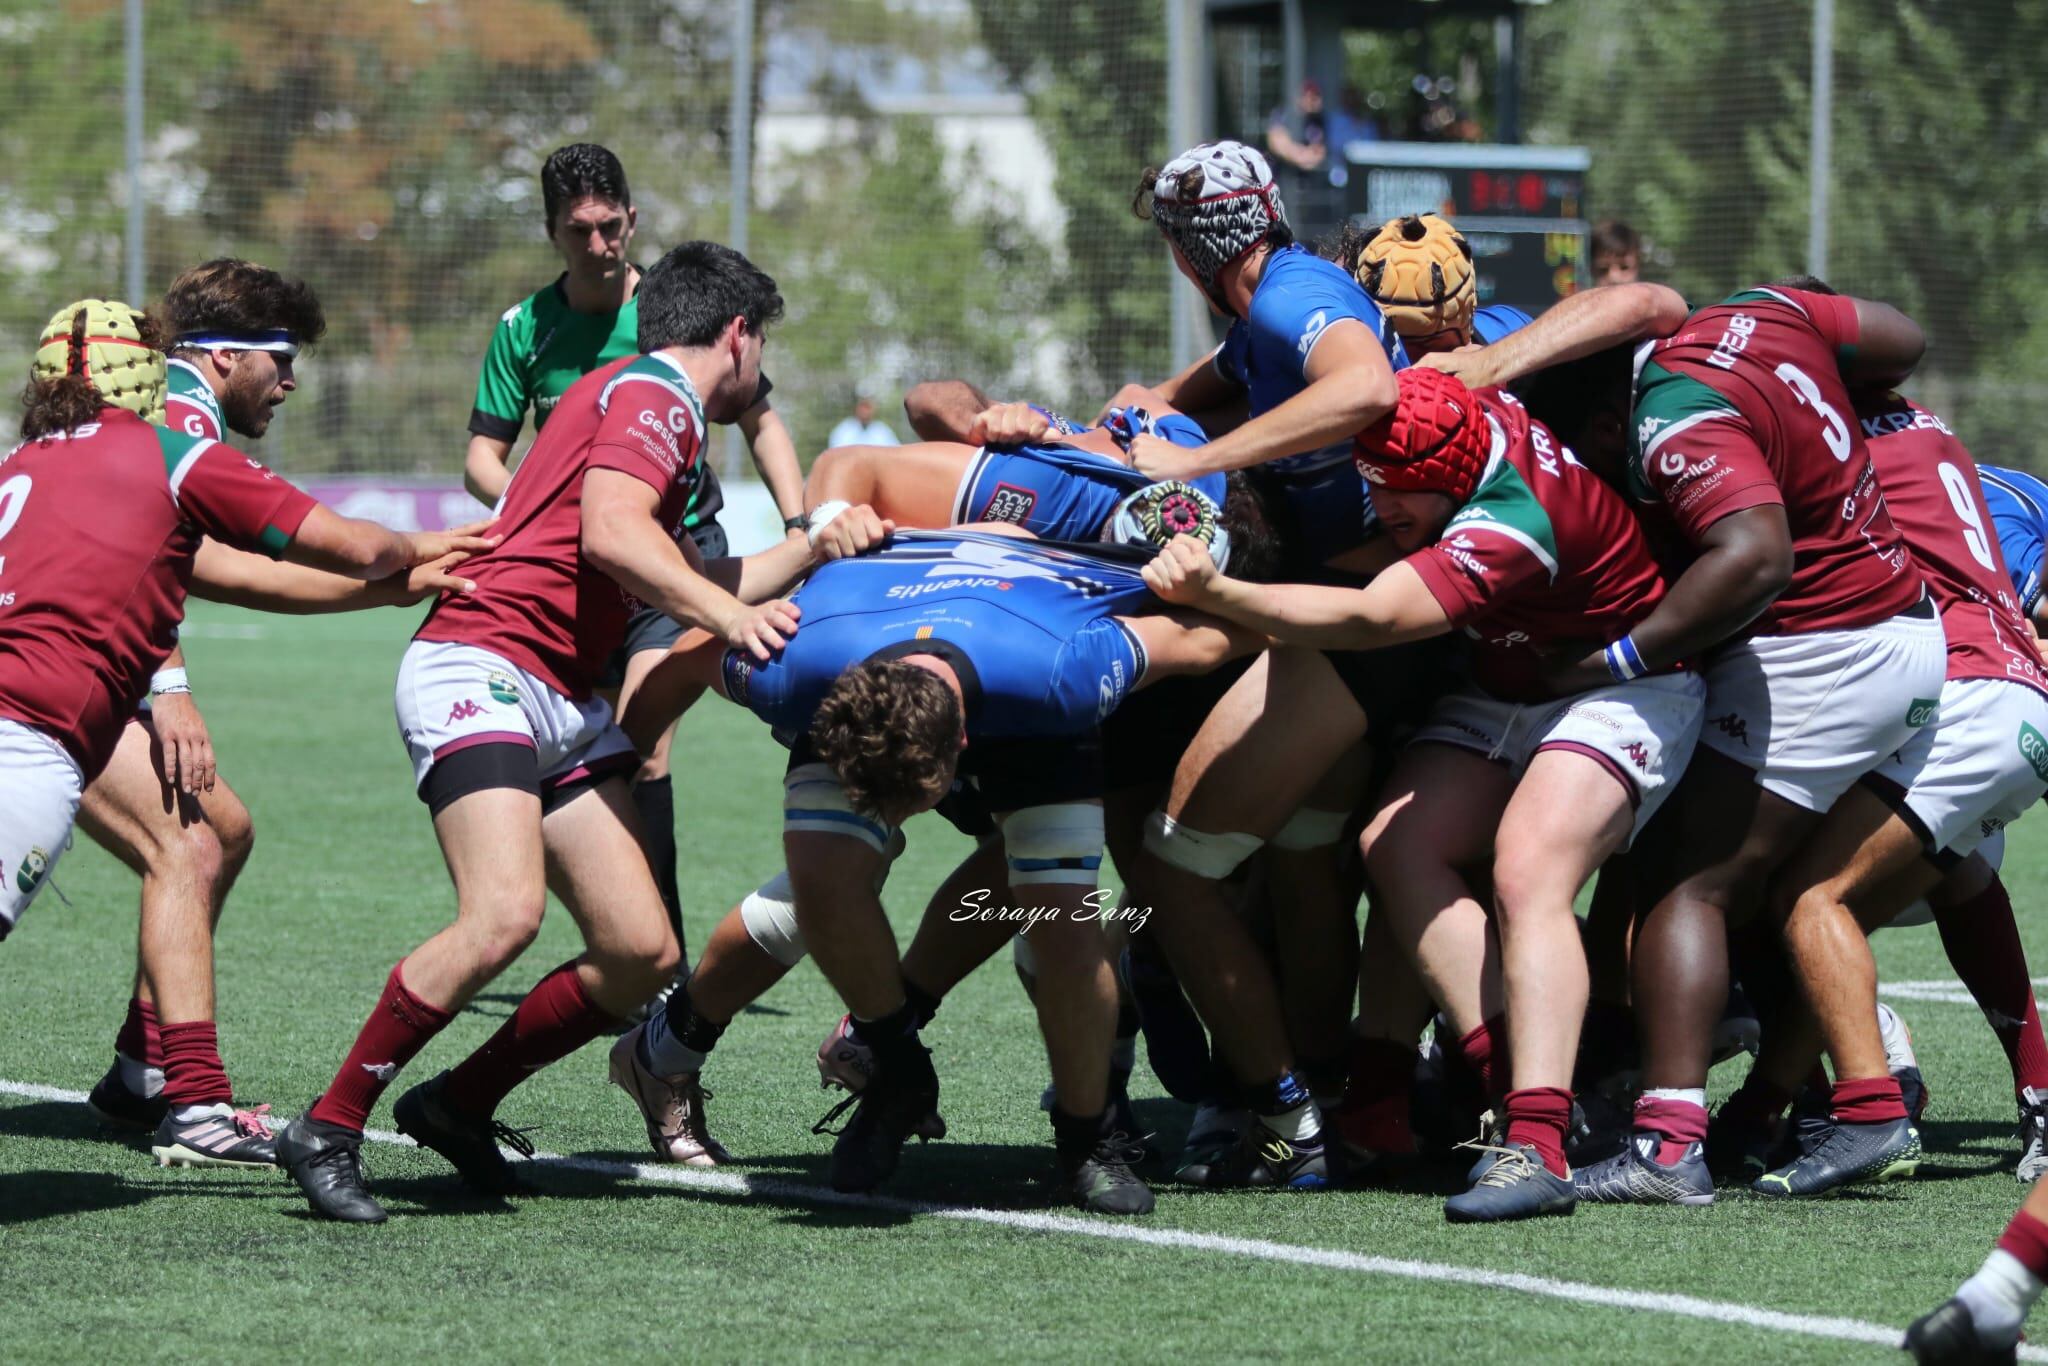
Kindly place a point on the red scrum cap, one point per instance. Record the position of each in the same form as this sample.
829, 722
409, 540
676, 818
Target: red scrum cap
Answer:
1435, 441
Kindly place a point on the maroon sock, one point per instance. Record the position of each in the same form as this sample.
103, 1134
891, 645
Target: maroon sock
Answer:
140, 1039
1376, 1113
1677, 1123
2027, 1239
193, 1073
393, 1035
1478, 1047
1983, 946
1537, 1116
556, 1018
1867, 1100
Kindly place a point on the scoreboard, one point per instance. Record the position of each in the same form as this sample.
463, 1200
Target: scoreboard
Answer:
1521, 208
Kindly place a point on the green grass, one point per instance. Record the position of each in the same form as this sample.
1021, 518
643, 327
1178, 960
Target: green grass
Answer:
102, 1254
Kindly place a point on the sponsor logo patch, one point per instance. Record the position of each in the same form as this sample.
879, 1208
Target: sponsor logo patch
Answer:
1922, 711
1009, 503
34, 864
503, 688
2034, 749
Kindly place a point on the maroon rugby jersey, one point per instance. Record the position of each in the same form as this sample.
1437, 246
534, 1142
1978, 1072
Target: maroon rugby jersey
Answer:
97, 534
1746, 407
1930, 484
1544, 554
538, 602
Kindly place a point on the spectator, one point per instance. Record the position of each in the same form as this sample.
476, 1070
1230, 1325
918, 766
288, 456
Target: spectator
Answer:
861, 429
1351, 121
1307, 149
1617, 253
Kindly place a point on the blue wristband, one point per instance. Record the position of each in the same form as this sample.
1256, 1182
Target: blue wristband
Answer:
1624, 661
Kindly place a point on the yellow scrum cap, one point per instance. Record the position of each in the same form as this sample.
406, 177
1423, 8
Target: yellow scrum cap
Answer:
110, 351
1418, 269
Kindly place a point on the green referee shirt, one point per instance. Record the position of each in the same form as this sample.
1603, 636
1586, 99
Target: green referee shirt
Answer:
539, 348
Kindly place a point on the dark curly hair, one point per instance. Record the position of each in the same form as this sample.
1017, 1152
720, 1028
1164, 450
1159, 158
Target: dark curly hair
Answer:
241, 297
890, 731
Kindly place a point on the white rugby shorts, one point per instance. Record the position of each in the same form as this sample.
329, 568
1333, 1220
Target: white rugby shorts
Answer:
1810, 714
1981, 764
40, 785
1642, 731
452, 696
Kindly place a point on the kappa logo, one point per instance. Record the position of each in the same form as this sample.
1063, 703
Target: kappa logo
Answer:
463, 711
2034, 749
1318, 320
1733, 726
1648, 428
1010, 503
1638, 754
34, 864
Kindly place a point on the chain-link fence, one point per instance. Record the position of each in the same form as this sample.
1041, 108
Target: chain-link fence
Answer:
942, 186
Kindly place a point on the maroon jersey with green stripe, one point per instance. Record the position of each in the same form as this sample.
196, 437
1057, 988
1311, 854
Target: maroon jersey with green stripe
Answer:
1543, 555
1931, 486
1746, 407
97, 534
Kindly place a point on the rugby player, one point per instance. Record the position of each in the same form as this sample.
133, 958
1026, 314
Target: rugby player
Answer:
955, 653
1419, 270
586, 319
1913, 820
1511, 540
1981, 1322
105, 607
235, 330
1745, 434
521, 767
2019, 510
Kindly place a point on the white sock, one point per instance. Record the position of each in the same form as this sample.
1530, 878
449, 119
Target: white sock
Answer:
1303, 1124
147, 1082
1999, 1296
664, 1053
186, 1114
1687, 1095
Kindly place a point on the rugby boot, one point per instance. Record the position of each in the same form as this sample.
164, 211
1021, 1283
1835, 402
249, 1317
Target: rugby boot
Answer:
1948, 1337
1847, 1154
1214, 1133
1901, 1061
1635, 1177
1738, 1030
1741, 1152
1102, 1181
112, 1102
890, 1109
1263, 1160
326, 1160
469, 1142
218, 1136
1513, 1185
672, 1107
847, 1063
2033, 1136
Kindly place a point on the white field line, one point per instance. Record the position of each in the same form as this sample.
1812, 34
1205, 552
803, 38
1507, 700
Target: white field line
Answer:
1944, 990
1257, 1249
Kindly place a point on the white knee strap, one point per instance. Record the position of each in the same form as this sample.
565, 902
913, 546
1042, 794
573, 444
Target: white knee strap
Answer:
1024, 956
769, 913
1311, 829
1192, 851
813, 800
1059, 843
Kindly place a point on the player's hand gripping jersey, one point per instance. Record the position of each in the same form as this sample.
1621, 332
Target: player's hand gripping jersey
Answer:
2019, 513
1266, 353
1745, 407
97, 534
1544, 555
190, 405
1030, 627
538, 602
1931, 486
1064, 493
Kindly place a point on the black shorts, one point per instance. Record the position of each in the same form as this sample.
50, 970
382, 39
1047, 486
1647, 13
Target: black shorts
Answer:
1143, 740
652, 629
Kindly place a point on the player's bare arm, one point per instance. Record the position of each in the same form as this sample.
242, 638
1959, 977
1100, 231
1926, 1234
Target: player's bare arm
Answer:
1744, 564
221, 573
775, 459
358, 549
1591, 320
1197, 389
623, 539
486, 468
943, 409
1350, 386
1888, 345
1394, 607
771, 572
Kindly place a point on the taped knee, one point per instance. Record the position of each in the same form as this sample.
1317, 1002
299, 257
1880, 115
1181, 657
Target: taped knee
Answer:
1057, 843
1192, 851
1311, 829
769, 913
813, 800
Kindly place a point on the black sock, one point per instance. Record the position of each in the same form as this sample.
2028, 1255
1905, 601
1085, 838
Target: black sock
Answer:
655, 800
922, 1003
1127, 1024
890, 1034
694, 1031
1075, 1136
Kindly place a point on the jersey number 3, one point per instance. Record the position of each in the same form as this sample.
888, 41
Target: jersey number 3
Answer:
1834, 431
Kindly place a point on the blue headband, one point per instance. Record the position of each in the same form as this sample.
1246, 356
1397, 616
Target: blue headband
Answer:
278, 340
